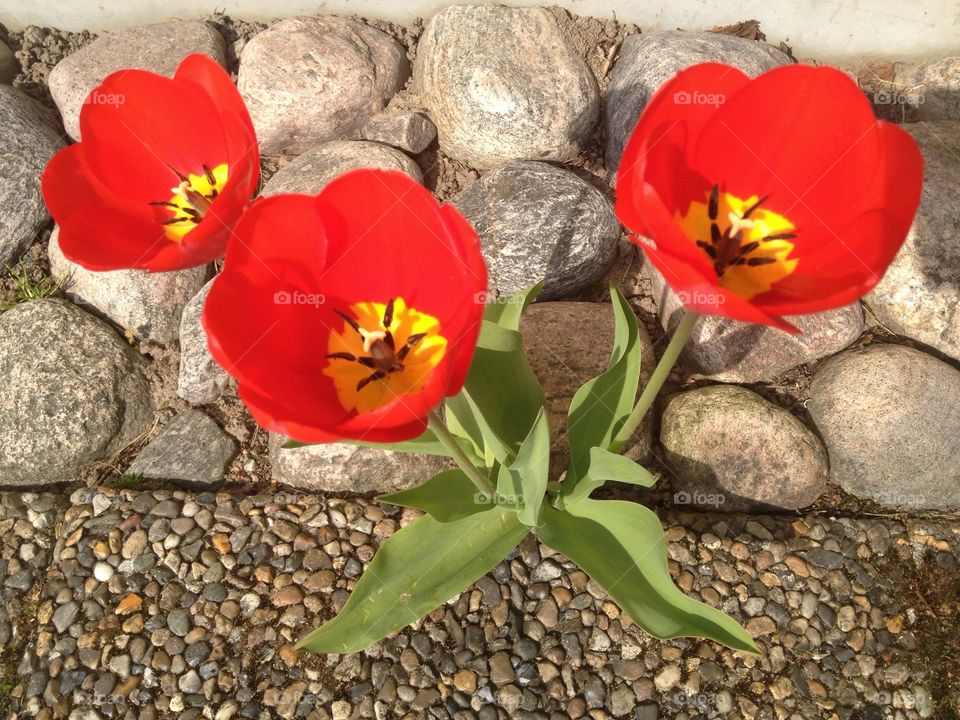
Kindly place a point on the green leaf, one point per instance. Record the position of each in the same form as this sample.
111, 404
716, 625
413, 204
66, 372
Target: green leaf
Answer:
527, 475
506, 312
601, 405
605, 465
502, 397
418, 569
621, 546
447, 496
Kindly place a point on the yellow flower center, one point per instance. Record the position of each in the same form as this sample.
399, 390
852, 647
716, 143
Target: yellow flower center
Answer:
384, 351
191, 199
747, 244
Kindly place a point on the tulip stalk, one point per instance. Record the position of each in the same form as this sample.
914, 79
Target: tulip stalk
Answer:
439, 428
657, 379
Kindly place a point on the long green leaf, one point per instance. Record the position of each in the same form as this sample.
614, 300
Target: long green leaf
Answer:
424, 444
605, 465
602, 404
447, 496
418, 569
529, 472
497, 421
621, 546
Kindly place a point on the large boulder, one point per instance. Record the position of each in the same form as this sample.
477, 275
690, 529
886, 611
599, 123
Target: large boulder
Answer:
73, 392
540, 222
201, 379
310, 79
158, 48
733, 351
28, 139
646, 62
729, 449
890, 418
504, 84
920, 294
147, 304
310, 172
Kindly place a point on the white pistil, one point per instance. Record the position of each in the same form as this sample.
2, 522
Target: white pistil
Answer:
738, 223
370, 337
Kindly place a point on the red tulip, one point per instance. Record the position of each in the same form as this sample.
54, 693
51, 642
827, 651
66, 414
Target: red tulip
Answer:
350, 314
165, 168
781, 195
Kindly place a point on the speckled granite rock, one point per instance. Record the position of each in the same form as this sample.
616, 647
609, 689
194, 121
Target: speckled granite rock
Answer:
28, 140
645, 62
310, 79
540, 222
567, 344
74, 392
346, 468
309, 172
729, 449
408, 131
732, 351
920, 294
147, 304
158, 48
503, 84
890, 418
191, 449
201, 379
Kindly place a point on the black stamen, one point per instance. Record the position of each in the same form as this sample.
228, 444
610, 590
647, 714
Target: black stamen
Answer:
388, 314
388, 339
174, 220
715, 234
349, 320
367, 362
341, 356
753, 262
164, 203
749, 247
178, 173
754, 206
710, 249
402, 354
780, 236
718, 269
414, 339
210, 176
378, 375
713, 209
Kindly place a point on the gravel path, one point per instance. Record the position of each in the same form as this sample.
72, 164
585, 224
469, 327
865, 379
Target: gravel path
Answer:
175, 604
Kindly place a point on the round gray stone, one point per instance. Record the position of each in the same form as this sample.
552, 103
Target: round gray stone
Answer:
931, 88
201, 379
738, 352
504, 84
890, 418
646, 62
310, 79
731, 450
147, 304
28, 139
310, 172
74, 392
920, 294
158, 48
540, 222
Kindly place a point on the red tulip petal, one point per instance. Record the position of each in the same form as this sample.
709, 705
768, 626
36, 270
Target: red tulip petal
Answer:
702, 295
160, 124
775, 137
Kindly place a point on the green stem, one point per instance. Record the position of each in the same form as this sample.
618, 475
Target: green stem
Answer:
659, 377
456, 452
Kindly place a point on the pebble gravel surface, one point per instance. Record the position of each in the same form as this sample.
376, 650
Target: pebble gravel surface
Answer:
179, 604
